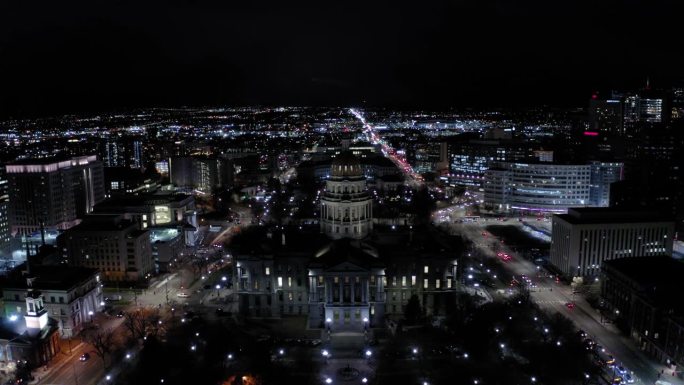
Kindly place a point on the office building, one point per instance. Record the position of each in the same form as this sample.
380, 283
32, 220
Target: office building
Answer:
606, 115
548, 187
156, 211
113, 245
52, 193
642, 295
585, 237
536, 187
5, 233
469, 160
603, 175
201, 174
122, 152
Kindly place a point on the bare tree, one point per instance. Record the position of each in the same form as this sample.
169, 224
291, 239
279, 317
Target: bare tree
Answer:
142, 322
103, 343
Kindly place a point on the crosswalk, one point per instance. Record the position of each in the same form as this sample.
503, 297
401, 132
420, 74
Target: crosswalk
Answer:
548, 301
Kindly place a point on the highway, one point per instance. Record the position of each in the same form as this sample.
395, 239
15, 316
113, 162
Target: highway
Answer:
553, 297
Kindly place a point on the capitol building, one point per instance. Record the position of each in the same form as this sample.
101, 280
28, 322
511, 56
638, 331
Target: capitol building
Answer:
346, 207
344, 274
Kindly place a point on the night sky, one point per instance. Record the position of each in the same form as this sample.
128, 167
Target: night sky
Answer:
71, 56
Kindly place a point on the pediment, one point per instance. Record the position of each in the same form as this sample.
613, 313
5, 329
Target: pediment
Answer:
346, 266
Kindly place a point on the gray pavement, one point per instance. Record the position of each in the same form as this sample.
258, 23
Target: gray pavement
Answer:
553, 297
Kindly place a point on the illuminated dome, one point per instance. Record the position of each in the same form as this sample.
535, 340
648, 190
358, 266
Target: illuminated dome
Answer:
346, 164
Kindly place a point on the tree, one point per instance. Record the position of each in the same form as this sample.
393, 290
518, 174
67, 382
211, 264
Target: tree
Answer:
413, 312
102, 341
139, 321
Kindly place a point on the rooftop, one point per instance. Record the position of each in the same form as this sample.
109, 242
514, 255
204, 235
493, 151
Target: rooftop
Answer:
59, 277
660, 278
590, 215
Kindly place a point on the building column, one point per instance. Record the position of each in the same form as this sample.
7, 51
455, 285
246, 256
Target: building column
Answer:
353, 289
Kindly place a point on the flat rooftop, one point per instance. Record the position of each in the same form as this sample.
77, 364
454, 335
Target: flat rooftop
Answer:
593, 215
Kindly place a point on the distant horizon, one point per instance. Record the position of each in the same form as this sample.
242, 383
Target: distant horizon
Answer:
79, 56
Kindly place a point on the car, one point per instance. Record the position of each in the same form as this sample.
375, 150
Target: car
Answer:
84, 357
183, 295
628, 378
120, 314
610, 362
570, 305
621, 369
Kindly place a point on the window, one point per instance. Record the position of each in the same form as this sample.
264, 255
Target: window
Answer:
426, 269
425, 283
280, 281
267, 270
394, 281
437, 283
320, 279
289, 281
403, 280
336, 279
448, 283
290, 297
413, 280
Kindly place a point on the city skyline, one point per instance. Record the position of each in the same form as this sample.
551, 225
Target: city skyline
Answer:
442, 192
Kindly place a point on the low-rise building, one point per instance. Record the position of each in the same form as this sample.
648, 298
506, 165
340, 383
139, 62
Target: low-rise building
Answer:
71, 294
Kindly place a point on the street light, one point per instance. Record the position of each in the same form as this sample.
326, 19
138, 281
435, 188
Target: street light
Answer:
534, 379
328, 380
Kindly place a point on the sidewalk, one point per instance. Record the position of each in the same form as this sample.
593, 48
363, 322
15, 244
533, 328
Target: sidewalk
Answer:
62, 358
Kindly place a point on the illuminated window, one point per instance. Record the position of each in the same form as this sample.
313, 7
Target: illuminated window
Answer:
403, 280
280, 281
268, 270
448, 283
437, 283
426, 269
425, 283
413, 280
289, 281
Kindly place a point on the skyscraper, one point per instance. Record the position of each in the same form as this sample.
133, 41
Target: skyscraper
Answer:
52, 193
605, 115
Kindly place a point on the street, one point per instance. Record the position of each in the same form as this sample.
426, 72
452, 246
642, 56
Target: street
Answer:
553, 297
